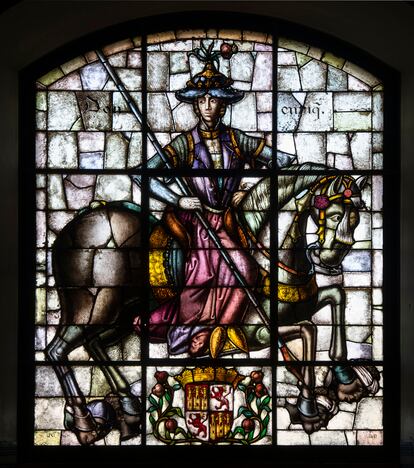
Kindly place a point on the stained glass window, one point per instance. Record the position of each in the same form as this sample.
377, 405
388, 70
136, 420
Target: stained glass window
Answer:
209, 245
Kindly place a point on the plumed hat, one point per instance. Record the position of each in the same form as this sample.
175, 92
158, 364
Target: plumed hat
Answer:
210, 80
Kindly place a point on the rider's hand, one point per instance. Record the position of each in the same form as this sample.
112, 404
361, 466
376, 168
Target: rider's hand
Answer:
189, 203
238, 197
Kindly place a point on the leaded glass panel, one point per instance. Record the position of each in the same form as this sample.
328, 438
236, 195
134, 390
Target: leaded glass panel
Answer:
209, 245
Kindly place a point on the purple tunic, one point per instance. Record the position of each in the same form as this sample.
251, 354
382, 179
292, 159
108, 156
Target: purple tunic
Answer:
211, 294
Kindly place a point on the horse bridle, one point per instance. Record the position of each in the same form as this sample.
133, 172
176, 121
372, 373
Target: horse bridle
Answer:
322, 201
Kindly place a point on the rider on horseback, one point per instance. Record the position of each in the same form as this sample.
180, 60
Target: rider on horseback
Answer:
211, 294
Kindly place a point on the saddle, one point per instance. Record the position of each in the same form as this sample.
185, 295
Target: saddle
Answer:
171, 231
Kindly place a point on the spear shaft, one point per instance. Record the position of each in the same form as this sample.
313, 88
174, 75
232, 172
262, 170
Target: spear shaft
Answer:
184, 189
187, 192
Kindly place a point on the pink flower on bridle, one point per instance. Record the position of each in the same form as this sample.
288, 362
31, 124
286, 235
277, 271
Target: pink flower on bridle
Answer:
321, 202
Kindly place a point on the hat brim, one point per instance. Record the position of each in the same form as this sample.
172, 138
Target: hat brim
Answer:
230, 95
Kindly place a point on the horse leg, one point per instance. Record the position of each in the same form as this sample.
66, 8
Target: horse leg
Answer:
128, 406
335, 297
352, 382
67, 339
307, 332
306, 404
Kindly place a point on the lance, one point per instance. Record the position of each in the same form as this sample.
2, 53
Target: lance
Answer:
187, 192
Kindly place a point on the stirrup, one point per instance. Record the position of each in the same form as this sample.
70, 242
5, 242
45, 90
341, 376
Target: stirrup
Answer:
307, 406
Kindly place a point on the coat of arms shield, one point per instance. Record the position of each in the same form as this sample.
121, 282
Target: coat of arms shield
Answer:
209, 395
209, 410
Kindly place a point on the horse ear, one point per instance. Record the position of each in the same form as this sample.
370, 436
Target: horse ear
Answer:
361, 182
335, 186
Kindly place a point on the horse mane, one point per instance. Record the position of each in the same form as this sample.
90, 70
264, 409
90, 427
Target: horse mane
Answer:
288, 186
291, 185
256, 204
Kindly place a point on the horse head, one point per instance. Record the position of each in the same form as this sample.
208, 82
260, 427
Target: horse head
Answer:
334, 205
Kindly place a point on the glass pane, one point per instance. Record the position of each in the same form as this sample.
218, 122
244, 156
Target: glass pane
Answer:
344, 422
210, 262
57, 423
193, 406
89, 124
328, 107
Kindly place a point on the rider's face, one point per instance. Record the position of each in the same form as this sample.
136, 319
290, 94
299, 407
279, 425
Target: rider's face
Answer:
209, 108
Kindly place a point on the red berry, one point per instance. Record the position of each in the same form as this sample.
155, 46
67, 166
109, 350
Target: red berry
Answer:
260, 390
256, 376
158, 390
161, 376
171, 425
248, 425
226, 50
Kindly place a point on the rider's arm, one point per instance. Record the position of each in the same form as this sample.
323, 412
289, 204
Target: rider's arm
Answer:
257, 152
159, 189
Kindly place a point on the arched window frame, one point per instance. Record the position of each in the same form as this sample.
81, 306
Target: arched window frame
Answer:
391, 173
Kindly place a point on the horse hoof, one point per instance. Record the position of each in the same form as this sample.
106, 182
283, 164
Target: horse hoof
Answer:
310, 427
351, 392
129, 432
365, 382
129, 426
326, 410
94, 425
128, 415
87, 438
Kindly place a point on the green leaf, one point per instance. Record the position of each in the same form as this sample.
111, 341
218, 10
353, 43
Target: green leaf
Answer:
174, 411
179, 412
239, 430
152, 420
267, 408
153, 401
251, 435
266, 400
180, 430
250, 397
263, 432
245, 411
266, 420
167, 434
241, 409
151, 409
176, 387
168, 397
242, 387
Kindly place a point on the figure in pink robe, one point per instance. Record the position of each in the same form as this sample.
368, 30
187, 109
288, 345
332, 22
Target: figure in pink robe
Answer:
211, 295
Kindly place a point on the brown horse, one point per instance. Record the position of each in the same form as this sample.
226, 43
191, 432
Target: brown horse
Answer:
97, 264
